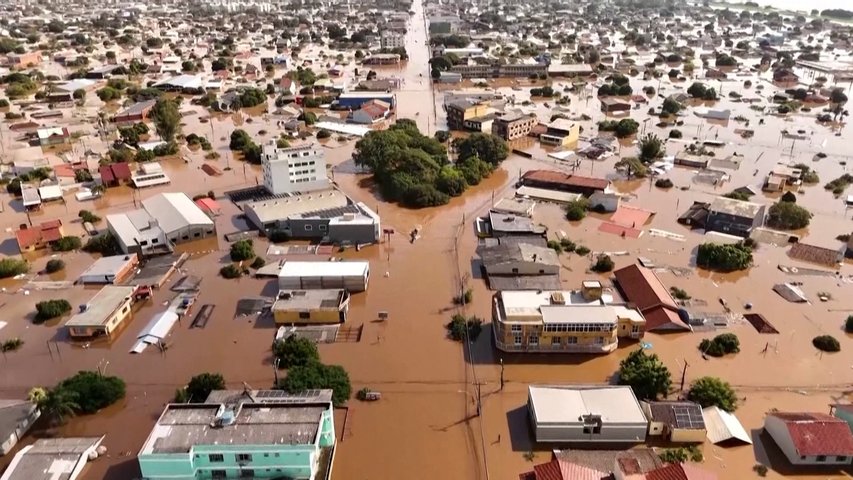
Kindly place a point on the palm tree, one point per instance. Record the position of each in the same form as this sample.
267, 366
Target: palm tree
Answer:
59, 405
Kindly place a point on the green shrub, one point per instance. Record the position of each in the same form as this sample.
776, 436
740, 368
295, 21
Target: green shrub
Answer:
93, 391
295, 351
258, 263
826, 343
711, 391
50, 309
9, 267
848, 325
681, 455
200, 386
663, 183
576, 210
465, 298
720, 345
675, 133
679, 293
582, 250
105, 244
556, 246
316, 375
242, 250
724, 258
567, 245
323, 133
788, 216
11, 345
68, 243
460, 327
603, 264
54, 265
230, 271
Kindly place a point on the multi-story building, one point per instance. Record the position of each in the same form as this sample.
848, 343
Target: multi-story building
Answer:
562, 321
248, 434
293, 169
392, 40
522, 69
458, 111
512, 126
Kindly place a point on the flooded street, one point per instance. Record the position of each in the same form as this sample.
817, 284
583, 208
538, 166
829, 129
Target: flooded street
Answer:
426, 424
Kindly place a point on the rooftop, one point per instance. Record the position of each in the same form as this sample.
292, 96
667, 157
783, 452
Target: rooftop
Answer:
518, 252
289, 300
51, 459
502, 222
301, 204
183, 426
111, 265
817, 433
101, 306
682, 415
550, 176
566, 404
321, 269
734, 207
174, 211
12, 414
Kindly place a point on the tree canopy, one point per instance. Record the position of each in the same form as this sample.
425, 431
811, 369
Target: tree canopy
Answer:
486, 147
788, 216
711, 391
316, 375
724, 258
93, 391
166, 118
242, 250
202, 384
645, 374
295, 351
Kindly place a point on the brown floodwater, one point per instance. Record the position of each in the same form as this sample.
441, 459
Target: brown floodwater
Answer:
425, 425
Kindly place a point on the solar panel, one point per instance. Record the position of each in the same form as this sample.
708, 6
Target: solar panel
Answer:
688, 416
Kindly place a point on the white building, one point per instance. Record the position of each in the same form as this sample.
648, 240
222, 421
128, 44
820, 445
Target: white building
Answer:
392, 40
811, 438
294, 169
586, 413
352, 276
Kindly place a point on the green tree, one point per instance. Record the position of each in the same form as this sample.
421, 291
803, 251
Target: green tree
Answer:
713, 392
576, 210
670, 106
459, 328
54, 265
788, 216
603, 264
826, 343
295, 351
9, 267
239, 140
651, 148
58, 405
487, 147
315, 375
442, 136
68, 243
626, 127
720, 345
848, 324
93, 391
200, 386
645, 374
633, 167
242, 250
166, 118
724, 258
79, 94
107, 94
50, 309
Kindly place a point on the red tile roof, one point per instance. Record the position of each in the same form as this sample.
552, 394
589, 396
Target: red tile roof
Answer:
106, 174
46, 232
550, 176
121, 170
208, 205
680, 471
818, 433
563, 470
644, 289
548, 471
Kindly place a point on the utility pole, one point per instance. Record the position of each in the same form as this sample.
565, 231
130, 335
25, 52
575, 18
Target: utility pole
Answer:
502, 373
683, 375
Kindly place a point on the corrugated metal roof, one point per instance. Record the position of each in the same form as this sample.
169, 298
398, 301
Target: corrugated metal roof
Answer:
723, 426
175, 211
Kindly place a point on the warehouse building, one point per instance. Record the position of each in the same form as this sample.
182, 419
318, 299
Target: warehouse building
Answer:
352, 276
103, 314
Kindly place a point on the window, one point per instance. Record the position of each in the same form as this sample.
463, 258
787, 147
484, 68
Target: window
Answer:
308, 228
185, 237
124, 310
821, 458
275, 454
266, 455
635, 329
556, 341
247, 473
599, 340
304, 315
514, 270
571, 340
533, 340
196, 234
517, 340
218, 474
592, 430
322, 228
156, 240
515, 329
840, 458
216, 457
244, 457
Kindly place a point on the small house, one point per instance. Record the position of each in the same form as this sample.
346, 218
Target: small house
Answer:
808, 438
113, 269
103, 314
676, 421
53, 136
311, 306
734, 217
16, 418
37, 237
614, 105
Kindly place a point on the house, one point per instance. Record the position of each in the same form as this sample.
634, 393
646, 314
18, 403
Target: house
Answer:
781, 177
103, 314
515, 206
520, 266
504, 225
458, 111
808, 438
622, 465
735, 217
23, 60
513, 126
676, 421
52, 136
114, 174
723, 427
784, 75
480, 124
381, 59
181, 83
149, 174
562, 321
564, 182
53, 458
16, 418
561, 132
569, 70
642, 288
691, 160
352, 276
286, 86
371, 112
829, 257
30, 197
293, 169
138, 112
50, 192
113, 269
586, 414
356, 99
311, 307
37, 237
614, 105
245, 434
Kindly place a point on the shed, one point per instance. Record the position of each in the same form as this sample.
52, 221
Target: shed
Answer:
307, 275
724, 427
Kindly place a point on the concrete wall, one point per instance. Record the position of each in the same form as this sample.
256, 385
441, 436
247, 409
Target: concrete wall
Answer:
354, 233
571, 433
522, 268
287, 317
295, 461
192, 232
682, 435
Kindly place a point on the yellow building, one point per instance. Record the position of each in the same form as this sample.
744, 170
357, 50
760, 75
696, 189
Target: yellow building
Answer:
561, 132
311, 306
103, 314
460, 110
562, 321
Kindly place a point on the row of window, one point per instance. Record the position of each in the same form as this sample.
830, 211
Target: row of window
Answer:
322, 227
579, 327
533, 340
302, 164
822, 458
304, 179
302, 172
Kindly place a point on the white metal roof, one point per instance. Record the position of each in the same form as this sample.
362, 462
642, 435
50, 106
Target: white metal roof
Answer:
567, 403
722, 425
50, 192
182, 81
174, 211
344, 128
324, 269
101, 306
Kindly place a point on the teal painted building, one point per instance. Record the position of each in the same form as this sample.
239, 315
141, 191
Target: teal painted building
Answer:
252, 438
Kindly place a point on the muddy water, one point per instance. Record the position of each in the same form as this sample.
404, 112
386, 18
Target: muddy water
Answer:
425, 380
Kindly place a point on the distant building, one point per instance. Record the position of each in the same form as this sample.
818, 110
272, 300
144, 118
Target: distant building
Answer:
459, 111
110, 270
138, 112
371, 112
16, 418
614, 105
264, 434
633, 464
103, 314
734, 217
571, 70
390, 39
23, 60
39, 236
381, 59
53, 136
311, 307
293, 169
480, 124
561, 132
356, 99
811, 438
582, 414
513, 126
115, 174
518, 265
564, 182
562, 321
